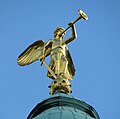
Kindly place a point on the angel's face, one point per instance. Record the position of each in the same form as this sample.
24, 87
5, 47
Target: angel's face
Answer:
60, 33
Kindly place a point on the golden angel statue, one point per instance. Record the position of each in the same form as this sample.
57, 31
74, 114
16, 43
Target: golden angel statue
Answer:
61, 62
61, 68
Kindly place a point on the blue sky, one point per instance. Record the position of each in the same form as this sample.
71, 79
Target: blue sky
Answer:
95, 52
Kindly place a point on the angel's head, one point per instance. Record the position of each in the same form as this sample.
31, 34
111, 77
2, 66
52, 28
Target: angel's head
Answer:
58, 32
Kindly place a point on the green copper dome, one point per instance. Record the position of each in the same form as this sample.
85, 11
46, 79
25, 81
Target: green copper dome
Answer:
63, 106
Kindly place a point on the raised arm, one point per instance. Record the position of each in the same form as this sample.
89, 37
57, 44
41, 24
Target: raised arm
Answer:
73, 34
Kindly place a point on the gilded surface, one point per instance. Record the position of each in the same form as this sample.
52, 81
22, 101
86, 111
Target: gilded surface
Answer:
61, 68
61, 64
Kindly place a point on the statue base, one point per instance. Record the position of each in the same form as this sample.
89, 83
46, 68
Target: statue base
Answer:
60, 85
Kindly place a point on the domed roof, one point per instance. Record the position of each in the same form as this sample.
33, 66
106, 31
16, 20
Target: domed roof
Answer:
63, 106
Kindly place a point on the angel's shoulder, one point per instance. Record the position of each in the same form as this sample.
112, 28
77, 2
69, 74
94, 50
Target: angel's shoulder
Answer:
50, 41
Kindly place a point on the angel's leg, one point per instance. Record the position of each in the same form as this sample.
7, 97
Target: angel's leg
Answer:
64, 64
57, 59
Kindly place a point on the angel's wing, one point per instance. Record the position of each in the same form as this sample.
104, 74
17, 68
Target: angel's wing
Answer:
71, 67
32, 53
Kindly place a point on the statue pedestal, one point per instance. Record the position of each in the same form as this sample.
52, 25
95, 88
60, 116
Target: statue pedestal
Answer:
60, 85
